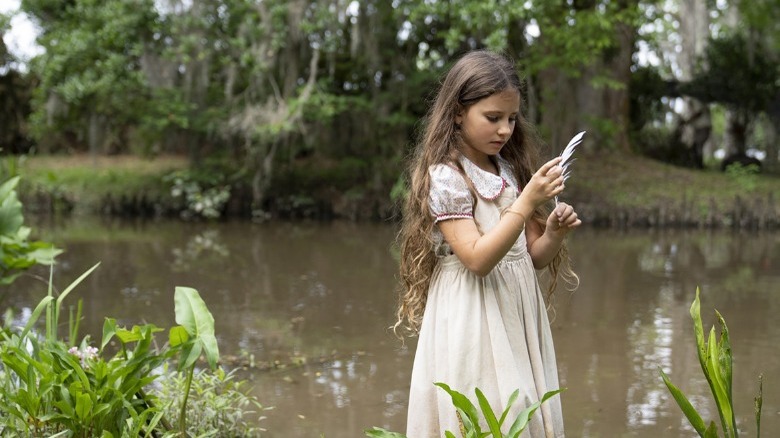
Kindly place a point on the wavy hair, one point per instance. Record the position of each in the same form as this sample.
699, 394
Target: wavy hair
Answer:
475, 76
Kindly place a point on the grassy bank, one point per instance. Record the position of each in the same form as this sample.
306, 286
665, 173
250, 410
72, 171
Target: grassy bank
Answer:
627, 190
110, 185
609, 189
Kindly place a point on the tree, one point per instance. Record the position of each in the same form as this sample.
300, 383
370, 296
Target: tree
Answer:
91, 84
740, 77
15, 90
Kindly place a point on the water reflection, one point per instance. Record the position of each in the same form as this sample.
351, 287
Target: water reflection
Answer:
310, 304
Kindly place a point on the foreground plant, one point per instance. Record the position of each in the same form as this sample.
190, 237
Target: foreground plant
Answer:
470, 417
51, 388
17, 251
217, 403
715, 359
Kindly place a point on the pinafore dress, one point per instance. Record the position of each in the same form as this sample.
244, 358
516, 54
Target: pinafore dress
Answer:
487, 332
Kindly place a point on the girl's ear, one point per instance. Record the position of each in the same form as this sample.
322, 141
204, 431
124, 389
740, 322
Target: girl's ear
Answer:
459, 116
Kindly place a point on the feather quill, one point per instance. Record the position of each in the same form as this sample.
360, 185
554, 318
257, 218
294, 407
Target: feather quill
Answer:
566, 157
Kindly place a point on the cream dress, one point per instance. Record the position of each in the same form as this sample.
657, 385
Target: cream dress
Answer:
490, 333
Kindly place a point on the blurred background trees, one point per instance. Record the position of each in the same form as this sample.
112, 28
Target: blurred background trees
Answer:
340, 85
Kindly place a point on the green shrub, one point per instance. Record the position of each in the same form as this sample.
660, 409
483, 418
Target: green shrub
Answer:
52, 388
218, 404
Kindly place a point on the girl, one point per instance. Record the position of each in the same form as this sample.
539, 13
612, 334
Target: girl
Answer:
474, 231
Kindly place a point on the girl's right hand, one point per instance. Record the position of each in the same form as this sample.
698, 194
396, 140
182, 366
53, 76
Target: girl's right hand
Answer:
545, 184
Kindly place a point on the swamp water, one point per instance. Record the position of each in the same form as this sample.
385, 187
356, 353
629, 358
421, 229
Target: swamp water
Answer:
309, 306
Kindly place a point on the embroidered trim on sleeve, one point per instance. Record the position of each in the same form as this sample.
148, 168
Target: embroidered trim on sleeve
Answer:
446, 216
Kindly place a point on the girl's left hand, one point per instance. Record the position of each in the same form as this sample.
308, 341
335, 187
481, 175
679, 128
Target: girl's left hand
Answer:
562, 220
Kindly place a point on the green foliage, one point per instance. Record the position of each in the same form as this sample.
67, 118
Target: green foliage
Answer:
400, 190
736, 72
470, 417
198, 198
646, 90
196, 337
378, 432
572, 36
217, 404
17, 251
311, 176
91, 66
746, 176
716, 364
47, 388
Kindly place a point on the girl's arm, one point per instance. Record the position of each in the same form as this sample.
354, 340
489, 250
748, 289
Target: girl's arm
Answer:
543, 246
480, 253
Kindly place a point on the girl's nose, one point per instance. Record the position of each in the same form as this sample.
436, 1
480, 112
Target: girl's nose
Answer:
505, 129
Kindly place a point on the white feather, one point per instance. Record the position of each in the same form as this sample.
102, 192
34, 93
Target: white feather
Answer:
566, 157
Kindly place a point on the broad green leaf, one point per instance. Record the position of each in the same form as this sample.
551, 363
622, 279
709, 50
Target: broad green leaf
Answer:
109, 330
521, 422
44, 256
690, 412
194, 316
70, 363
83, 407
190, 354
8, 186
177, 336
127, 336
699, 331
11, 218
462, 402
487, 412
153, 421
718, 386
378, 432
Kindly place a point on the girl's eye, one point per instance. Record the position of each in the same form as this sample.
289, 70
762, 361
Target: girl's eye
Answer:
492, 119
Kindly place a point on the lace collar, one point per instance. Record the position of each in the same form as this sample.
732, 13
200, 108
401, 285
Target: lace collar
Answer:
489, 185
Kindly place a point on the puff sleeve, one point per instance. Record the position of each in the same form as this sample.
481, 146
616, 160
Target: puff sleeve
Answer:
450, 197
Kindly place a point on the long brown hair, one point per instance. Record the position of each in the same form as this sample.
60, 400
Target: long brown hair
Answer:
475, 76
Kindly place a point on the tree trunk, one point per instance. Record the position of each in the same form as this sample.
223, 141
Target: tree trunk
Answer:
560, 108
617, 104
572, 104
695, 123
772, 160
735, 137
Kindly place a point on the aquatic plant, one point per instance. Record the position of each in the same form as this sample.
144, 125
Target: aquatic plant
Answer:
470, 417
716, 364
52, 388
217, 403
17, 251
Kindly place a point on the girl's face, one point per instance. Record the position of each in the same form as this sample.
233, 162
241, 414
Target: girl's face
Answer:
487, 125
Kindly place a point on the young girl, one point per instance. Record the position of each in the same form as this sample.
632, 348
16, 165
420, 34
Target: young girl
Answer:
474, 231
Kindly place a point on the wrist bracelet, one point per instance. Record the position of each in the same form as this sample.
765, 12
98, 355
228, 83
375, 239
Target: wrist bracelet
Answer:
509, 210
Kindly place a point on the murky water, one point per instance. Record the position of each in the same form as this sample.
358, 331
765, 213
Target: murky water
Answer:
322, 296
